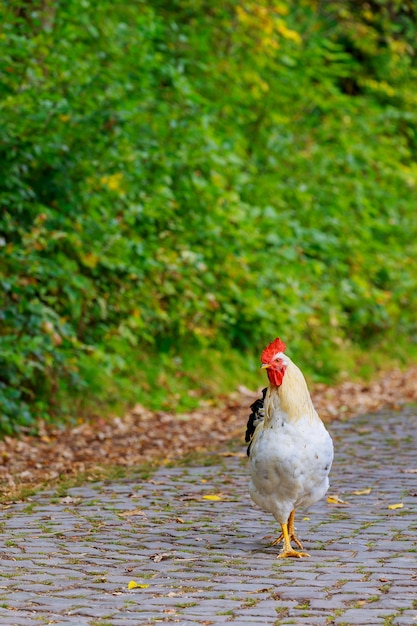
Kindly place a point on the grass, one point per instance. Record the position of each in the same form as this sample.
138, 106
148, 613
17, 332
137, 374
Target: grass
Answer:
179, 383
169, 382
63, 483
230, 612
185, 605
303, 606
198, 458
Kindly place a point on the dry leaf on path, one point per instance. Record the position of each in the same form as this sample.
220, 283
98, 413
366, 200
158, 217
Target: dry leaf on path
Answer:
163, 556
134, 585
362, 492
212, 497
335, 500
399, 505
131, 512
70, 500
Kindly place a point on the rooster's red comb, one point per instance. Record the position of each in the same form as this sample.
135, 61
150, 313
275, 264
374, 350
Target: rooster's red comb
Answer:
270, 351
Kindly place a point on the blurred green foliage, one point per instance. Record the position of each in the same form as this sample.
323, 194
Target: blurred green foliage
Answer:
194, 174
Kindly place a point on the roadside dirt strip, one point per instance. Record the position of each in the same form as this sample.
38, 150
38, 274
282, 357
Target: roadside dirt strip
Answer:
185, 545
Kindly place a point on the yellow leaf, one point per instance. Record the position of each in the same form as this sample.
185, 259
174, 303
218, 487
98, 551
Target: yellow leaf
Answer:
90, 259
134, 585
113, 182
362, 492
306, 519
396, 506
335, 500
212, 497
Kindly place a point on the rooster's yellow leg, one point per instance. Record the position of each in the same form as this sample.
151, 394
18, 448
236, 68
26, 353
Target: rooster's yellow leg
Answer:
291, 532
288, 551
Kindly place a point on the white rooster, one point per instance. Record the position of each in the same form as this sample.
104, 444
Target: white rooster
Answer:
290, 450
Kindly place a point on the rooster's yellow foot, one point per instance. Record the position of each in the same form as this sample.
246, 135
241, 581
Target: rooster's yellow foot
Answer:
288, 550
291, 553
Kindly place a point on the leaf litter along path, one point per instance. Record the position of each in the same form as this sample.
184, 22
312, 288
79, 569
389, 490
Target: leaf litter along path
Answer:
143, 436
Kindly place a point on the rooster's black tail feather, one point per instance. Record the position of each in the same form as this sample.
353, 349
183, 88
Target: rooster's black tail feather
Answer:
255, 418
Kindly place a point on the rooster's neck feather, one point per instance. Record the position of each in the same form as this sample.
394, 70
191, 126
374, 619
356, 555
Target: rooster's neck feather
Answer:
292, 397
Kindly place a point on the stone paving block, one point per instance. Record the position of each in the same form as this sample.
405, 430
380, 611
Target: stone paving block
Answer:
296, 593
361, 588
311, 620
13, 620
65, 622
362, 617
407, 618
247, 619
399, 602
330, 603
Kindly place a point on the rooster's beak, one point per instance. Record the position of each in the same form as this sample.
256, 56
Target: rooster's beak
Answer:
265, 365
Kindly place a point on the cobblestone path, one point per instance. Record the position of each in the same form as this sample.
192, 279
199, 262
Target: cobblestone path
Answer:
69, 559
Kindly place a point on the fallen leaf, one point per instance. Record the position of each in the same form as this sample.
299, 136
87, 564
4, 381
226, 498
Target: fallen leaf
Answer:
399, 505
131, 512
409, 471
335, 500
362, 492
157, 558
179, 520
134, 585
306, 519
70, 500
212, 497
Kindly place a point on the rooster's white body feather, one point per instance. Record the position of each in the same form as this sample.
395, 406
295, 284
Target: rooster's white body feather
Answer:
291, 451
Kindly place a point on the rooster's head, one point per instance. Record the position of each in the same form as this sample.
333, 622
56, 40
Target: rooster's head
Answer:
273, 359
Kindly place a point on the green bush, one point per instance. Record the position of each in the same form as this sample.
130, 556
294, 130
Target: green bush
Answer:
185, 176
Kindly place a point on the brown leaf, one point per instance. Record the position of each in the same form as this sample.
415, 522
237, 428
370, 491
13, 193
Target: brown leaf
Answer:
131, 512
